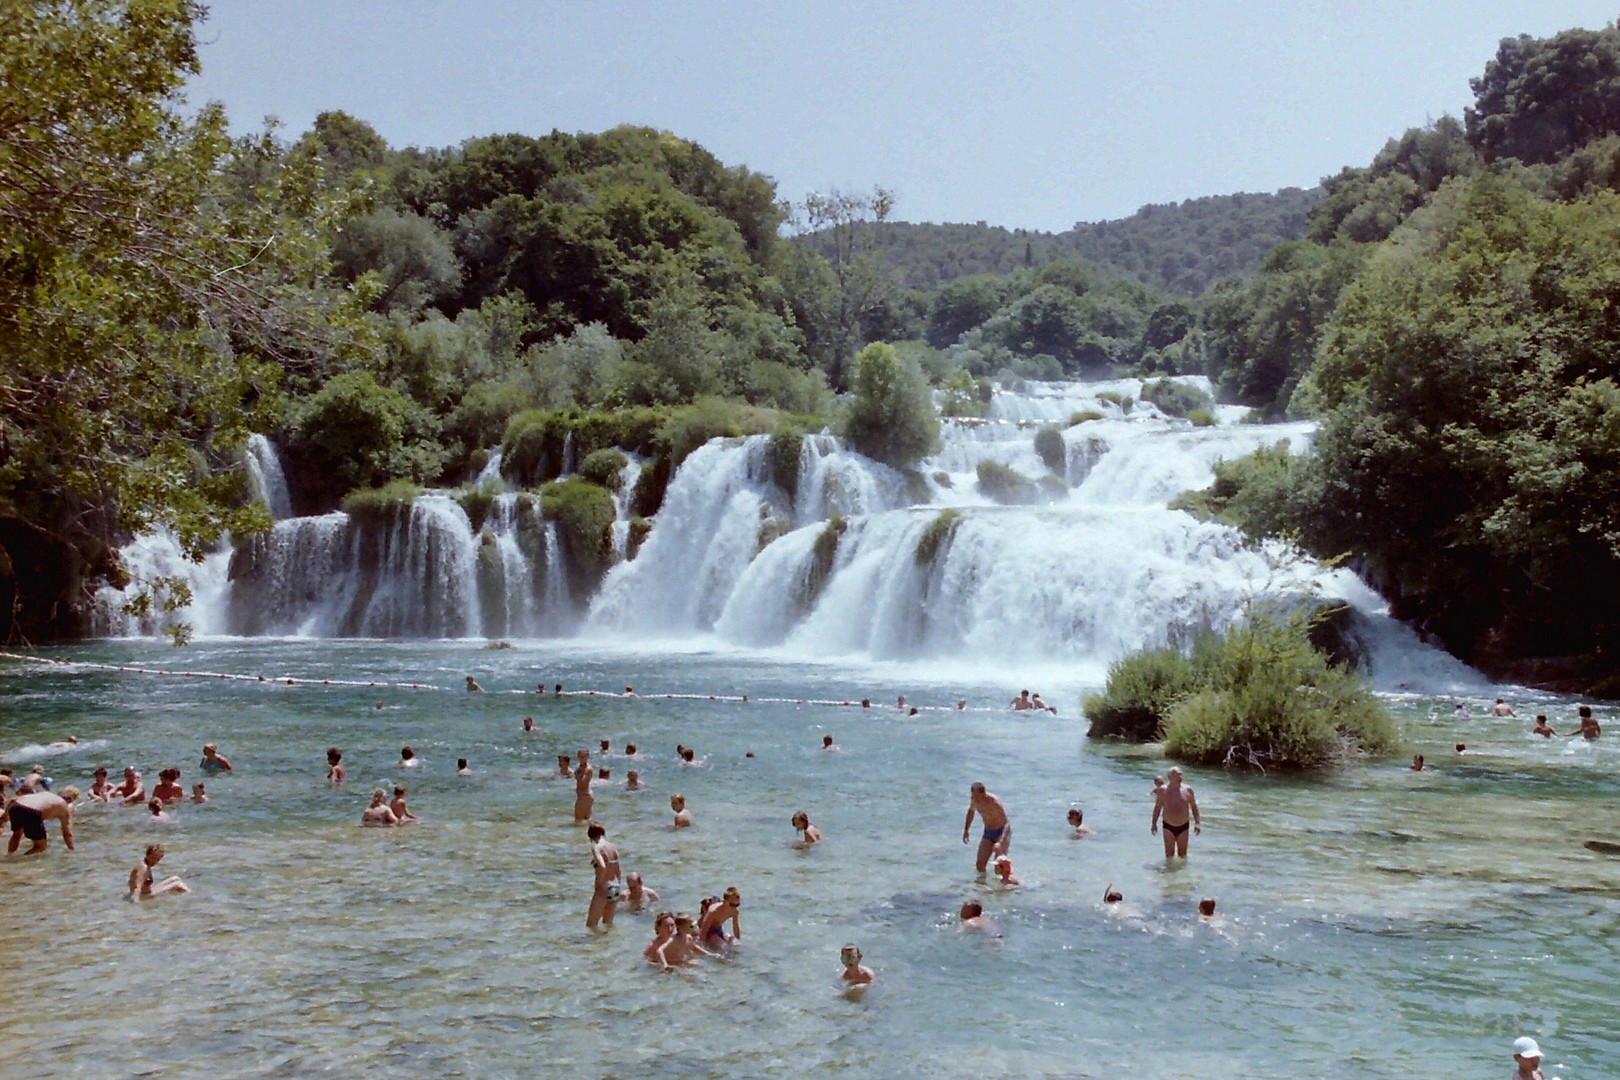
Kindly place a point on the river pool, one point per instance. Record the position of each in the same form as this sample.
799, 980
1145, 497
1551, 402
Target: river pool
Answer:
1375, 922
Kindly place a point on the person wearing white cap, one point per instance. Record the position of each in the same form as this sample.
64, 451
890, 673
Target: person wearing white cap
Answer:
1527, 1056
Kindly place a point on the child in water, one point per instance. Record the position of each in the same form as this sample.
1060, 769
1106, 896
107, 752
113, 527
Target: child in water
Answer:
1076, 821
855, 973
1004, 871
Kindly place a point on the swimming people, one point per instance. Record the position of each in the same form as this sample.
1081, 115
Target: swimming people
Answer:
688, 756
686, 945
528, 721
158, 813
199, 794
1417, 763
605, 747
472, 685
401, 812
683, 816
809, 833
141, 879
663, 939
630, 750
1174, 802
168, 787
1501, 708
609, 884
29, 813
997, 835
636, 894
1021, 702
1542, 728
632, 781
100, 789
974, 920
854, 973
1588, 728
827, 743
583, 802
1206, 908
131, 791
1461, 712
1077, 822
335, 772
1004, 871
1039, 704
563, 768
212, 762
713, 925
378, 815
462, 768
408, 759
1526, 1059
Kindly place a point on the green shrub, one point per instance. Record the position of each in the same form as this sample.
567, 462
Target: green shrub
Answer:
605, 468
1201, 418
1258, 695
1084, 417
375, 506
1141, 689
784, 455
648, 495
1006, 486
1050, 447
937, 536
892, 418
1174, 398
476, 501
943, 479
1113, 398
1258, 493
584, 515
822, 556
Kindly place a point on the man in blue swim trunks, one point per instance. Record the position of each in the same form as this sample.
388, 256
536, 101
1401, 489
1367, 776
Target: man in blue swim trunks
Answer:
997, 835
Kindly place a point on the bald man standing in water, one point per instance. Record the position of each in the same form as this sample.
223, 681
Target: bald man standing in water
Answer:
997, 835
1173, 803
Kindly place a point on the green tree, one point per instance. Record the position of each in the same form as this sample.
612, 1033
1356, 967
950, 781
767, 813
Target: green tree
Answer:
1541, 99
892, 417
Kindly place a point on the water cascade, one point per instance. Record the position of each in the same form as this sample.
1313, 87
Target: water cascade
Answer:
841, 555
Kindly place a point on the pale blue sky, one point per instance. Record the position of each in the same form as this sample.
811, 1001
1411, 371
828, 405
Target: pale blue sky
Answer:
1034, 114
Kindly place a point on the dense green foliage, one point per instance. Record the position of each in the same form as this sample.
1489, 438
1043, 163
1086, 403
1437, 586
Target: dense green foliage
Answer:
892, 418
1171, 247
1174, 398
1542, 99
584, 515
1052, 450
937, 536
1006, 485
1257, 695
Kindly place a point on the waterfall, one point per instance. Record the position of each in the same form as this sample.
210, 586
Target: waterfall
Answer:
843, 556
266, 478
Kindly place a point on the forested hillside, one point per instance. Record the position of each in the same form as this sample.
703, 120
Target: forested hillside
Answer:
1172, 247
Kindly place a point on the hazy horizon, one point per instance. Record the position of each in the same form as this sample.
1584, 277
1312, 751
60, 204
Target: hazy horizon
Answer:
1030, 115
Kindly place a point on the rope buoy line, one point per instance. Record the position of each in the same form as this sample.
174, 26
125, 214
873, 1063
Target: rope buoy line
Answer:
290, 680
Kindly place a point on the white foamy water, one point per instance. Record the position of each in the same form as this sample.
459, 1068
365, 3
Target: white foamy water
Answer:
1097, 568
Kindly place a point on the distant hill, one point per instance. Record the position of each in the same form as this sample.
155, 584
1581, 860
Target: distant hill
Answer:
1178, 247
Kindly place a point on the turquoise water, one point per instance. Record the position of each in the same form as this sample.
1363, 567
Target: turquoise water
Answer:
1377, 923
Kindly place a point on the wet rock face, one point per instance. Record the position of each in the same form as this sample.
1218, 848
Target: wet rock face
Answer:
42, 583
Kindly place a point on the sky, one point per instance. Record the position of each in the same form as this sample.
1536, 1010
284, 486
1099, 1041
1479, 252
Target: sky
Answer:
1034, 114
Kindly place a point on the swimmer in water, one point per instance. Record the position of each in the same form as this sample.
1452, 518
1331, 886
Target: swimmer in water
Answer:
688, 756
100, 789
157, 811
663, 939
378, 815
199, 794
827, 743
961, 704
528, 723
1004, 871
66, 744
1077, 822
900, 702
809, 833
713, 924
605, 747
212, 761
973, 920
583, 801
636, 894
632, 781
913, 711
1462, 748
1174, 803
142, 881
605, 775
1526, 1059
408, 759
687, 947
1021, 702
462, 768
168, 788
1039, 704
997, 835
630, 750
866, 703
854, 973
1588, 728
1417, 763
335, 772
1461, 712
1206, 909
29, 813
401, 812
1501, 708
609, 880
131, 792
563, 767
472, 685
1542, 728
683, 816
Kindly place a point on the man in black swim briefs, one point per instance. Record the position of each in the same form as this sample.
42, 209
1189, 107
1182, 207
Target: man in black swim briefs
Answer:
1174, 802
28, 814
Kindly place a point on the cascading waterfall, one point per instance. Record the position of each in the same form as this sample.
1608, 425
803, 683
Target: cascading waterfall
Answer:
843, 556
266, 478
